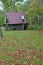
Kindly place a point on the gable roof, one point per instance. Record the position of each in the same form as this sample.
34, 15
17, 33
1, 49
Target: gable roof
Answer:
15, 17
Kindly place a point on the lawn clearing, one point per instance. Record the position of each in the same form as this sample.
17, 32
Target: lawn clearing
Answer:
21, 48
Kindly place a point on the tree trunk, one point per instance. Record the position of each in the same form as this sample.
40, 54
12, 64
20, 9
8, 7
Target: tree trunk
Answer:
1, 32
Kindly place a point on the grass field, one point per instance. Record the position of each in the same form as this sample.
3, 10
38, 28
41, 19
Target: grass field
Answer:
21, 48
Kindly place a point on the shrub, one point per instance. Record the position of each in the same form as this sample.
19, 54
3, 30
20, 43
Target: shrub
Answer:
35, 27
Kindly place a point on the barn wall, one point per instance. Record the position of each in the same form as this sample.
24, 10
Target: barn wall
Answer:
14, 27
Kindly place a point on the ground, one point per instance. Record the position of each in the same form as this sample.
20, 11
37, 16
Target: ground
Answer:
21, 47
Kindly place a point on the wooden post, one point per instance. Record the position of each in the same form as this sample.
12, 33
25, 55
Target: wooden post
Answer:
23, 24
1, 32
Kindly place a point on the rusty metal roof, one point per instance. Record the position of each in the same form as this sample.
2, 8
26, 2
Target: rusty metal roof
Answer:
15, 17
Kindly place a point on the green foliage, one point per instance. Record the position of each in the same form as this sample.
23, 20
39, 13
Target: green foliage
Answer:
9, 5
1, 18
35, 27
18, 8
35, 9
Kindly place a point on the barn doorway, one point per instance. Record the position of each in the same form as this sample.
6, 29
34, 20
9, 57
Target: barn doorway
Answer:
25, 27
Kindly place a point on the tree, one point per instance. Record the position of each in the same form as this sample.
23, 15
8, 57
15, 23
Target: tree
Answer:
35, 11
1, 18
1, 32
10, 4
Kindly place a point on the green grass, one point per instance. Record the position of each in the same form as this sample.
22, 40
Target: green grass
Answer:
18, 40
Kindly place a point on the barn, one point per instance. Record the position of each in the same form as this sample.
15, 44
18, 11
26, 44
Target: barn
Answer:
15, 21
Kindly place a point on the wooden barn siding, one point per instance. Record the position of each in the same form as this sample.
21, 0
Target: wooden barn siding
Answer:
11, 27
